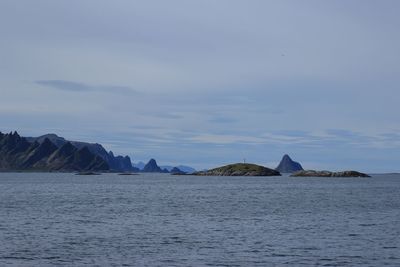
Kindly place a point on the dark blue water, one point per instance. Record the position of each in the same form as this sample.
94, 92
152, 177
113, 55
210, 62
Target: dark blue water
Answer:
162, 220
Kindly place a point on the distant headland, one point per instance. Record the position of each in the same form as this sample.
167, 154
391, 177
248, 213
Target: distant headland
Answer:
52, 153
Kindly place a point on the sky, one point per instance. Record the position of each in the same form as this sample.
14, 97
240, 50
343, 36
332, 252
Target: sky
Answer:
206, 83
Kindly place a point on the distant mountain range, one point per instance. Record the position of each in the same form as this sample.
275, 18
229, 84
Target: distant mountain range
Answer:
51, 152
152, 166
183, 168
140, 165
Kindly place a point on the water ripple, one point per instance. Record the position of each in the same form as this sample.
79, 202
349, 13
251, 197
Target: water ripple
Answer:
161, 220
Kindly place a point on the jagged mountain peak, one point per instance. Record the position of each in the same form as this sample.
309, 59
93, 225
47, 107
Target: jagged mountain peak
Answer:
287, 165
152, 166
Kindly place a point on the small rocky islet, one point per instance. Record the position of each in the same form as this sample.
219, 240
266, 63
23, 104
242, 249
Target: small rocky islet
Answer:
313, 173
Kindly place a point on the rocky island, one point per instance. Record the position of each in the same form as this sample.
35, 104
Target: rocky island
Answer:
239, 169
287, 165
313, 173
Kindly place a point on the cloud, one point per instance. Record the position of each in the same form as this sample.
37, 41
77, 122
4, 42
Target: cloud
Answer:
226, 139
224, 120
82, 87
65, 85
329, 139
162, 115
207, 87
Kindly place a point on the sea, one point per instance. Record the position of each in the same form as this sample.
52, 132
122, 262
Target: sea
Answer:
62, 219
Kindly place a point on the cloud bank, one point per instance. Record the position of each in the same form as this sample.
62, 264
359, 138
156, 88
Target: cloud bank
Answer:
208, 82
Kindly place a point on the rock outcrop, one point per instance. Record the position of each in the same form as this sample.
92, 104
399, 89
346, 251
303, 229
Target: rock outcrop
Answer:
313, 173
152, 166
239, 169
287, 165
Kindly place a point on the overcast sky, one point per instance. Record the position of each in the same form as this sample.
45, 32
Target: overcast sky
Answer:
204, 83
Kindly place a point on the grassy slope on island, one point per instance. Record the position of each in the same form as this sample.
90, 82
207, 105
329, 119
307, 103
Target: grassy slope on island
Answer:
239, 169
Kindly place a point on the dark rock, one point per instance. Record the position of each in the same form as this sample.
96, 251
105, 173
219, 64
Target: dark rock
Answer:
37, 157
287, 165
120, 163
63, 158
152, 166
115, 163
12, 143
16, 153
84, 159
239, 169
68, 158
313, 173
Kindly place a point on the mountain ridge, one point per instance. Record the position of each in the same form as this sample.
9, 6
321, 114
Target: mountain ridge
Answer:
116, 163
17, 153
